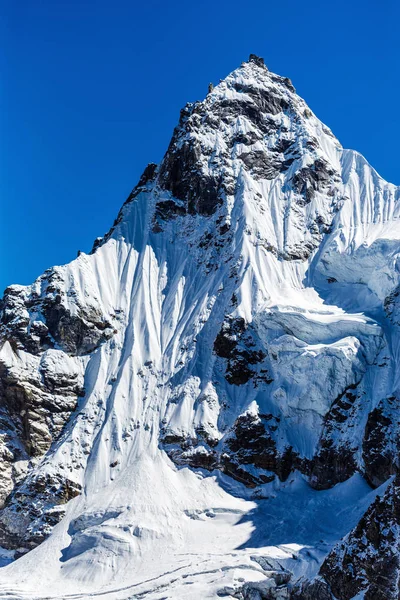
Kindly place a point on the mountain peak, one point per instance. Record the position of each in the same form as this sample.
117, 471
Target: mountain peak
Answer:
252, 126
257, 60
173, 403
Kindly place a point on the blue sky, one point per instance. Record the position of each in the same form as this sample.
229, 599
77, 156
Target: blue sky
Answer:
91, 91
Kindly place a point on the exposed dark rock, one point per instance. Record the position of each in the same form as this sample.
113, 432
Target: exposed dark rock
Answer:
332, 465
263, 102
251, 442
76, 335
237, 472
192, 173
184, 450
226, 340
314, 590
341, 406
148, 175
13, 457
308, 180
248, 138
205, 434
289, 84
238, 372
381, 443
39, 383
298, 251
174, 438
260, 165
224, 228
392, 306
35, 406
16, 324
200, 459
257, 60
335, 460
33, 421
182, 175
368, 559
168, 209
35, 323
33, 509
237, 343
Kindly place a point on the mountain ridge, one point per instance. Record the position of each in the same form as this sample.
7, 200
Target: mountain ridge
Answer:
232, 337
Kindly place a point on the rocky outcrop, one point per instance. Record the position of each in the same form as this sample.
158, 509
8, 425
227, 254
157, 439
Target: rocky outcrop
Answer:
247, 453
40, 397
45, 331
248, 130
367, 560
43, 316
38, 394
237, 343
314, 590
392, 306
381, 443
182, 175
335, 460
251, 443
34, 509
319, 176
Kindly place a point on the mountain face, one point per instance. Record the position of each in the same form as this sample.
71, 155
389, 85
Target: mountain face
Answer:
207, 405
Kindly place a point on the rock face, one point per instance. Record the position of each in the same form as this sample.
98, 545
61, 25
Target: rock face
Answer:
46, 331
34, 509
49, 316
238, 345
367, 560
251, 123
220, 372
381, 443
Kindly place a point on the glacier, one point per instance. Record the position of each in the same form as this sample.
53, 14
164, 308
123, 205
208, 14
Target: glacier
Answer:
207, 404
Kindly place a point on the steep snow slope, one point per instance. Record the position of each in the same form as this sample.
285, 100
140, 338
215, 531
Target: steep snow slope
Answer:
203, 404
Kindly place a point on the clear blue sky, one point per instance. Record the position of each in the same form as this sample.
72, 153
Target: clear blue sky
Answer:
91, 91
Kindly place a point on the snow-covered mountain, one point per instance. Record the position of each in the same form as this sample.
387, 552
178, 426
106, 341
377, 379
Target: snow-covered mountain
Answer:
207, 405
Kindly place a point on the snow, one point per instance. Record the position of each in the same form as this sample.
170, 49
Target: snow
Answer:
144, 527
